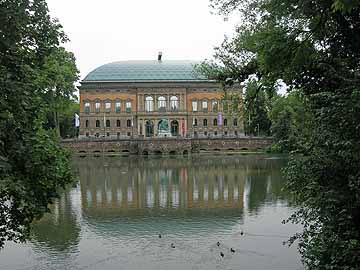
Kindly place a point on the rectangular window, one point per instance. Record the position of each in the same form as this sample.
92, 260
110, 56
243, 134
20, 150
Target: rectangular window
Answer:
87, 107
215, 106
97, 107
108, 107
118, 106
174, 103
194, 106
128, 106
205, 106
161, 104
149, 104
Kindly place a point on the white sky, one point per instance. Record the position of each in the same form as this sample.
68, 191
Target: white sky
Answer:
113, 30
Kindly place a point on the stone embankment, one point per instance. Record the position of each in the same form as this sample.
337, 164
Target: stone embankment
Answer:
166, 145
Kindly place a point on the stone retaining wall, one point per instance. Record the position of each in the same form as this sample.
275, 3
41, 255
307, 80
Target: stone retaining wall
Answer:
165, 145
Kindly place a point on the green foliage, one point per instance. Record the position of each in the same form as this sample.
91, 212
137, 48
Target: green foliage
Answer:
314, 48
66, 120
57, 79
292, 122
33, 167
257, 107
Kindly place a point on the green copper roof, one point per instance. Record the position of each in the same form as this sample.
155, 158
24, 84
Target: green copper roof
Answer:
146, 71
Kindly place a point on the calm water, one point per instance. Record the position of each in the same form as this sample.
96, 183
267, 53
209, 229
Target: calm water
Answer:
112, 218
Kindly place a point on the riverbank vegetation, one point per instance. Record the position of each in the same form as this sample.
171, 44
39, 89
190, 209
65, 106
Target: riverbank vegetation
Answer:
311, 49
37, 82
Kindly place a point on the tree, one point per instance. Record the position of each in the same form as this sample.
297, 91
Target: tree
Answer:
314, 48
33, 167
292, 122
67, 120
58, 79
257, 107
257, 98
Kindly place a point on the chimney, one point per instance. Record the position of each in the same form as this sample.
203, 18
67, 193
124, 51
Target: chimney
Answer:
159, 56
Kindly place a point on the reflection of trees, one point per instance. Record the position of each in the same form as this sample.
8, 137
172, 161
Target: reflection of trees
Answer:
58, 231
265, 184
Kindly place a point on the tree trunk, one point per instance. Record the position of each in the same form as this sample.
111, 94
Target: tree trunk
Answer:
57, 124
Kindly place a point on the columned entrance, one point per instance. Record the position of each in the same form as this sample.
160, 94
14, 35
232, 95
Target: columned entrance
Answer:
149, 128
174, 127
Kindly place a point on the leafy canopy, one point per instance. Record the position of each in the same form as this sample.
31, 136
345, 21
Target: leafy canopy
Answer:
33, 167
313, 46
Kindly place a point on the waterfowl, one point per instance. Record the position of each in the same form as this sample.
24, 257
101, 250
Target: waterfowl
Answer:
218, 243
172, 245
232, 250
159, 235
241, 233
222, 254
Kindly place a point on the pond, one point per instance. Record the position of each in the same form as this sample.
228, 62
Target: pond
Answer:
165, 213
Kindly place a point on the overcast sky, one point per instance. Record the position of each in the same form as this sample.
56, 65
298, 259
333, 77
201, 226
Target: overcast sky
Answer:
105, 31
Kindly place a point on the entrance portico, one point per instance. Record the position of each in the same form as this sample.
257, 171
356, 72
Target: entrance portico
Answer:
162, 127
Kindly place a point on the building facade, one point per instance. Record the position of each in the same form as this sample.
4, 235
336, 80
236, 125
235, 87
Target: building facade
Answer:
147, 99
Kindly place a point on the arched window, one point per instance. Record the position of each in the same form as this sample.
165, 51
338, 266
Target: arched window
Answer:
205, 122
235, 122
107, 123
174, 103
107, 106
204, 105
128, 123
118, 106
161, 104
97, 106
194, 122
87, 107
225, 122
97, 123
194, 105
118, 123
128, 106
87, 123
215, 106
149, 104
215, 122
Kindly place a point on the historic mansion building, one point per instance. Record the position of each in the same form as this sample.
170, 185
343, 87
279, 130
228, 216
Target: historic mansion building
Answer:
146, 99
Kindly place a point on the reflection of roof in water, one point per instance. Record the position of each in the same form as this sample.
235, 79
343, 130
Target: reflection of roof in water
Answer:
147, 221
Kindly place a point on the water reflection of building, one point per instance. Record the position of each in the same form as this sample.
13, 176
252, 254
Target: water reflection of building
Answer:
166, 187
184, 183
123, 198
